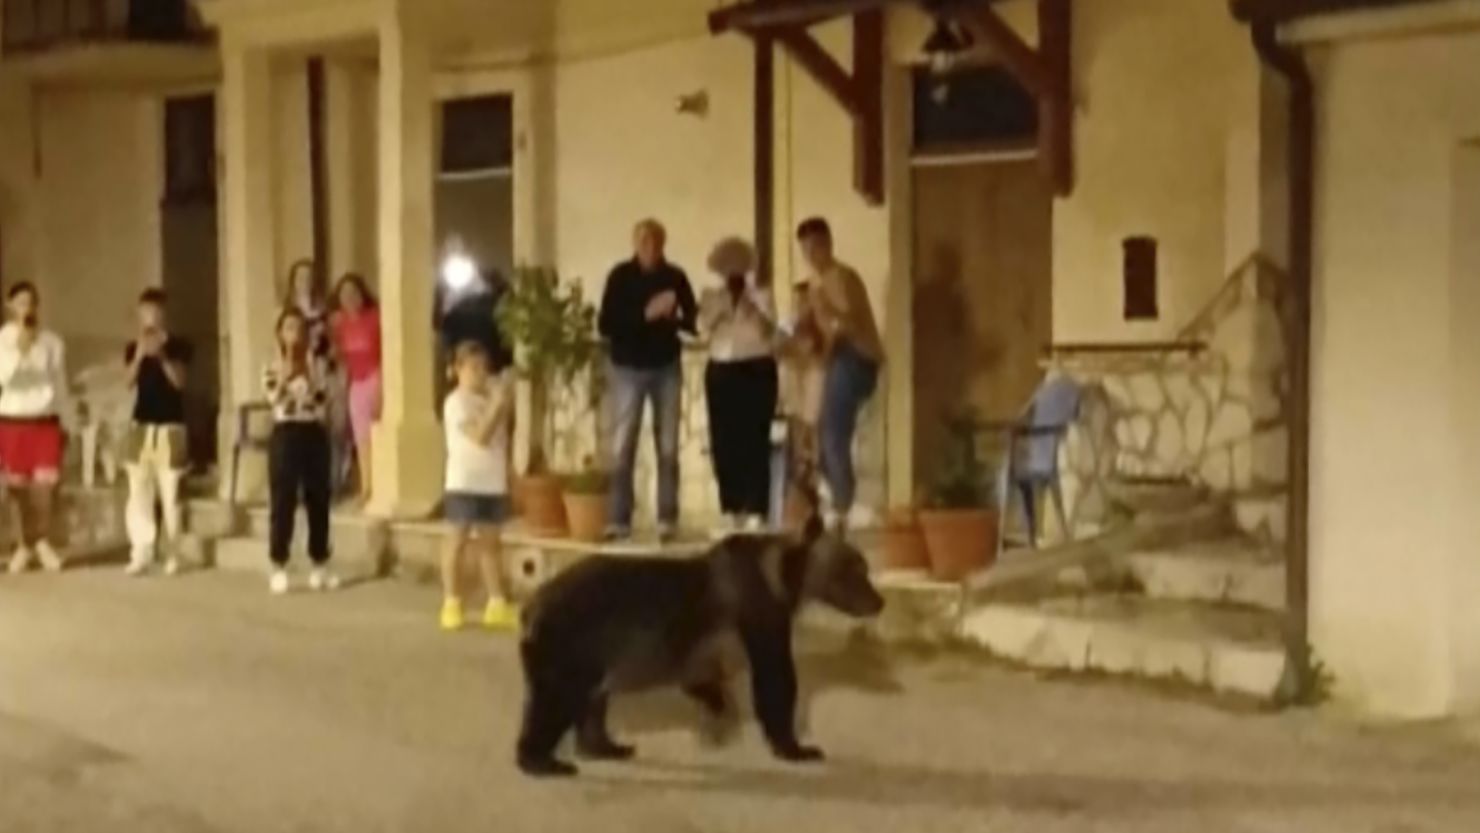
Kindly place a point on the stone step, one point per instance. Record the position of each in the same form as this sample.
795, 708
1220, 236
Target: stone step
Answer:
1263, 515
1154, 496
249, 555
1226, 650
1234, 571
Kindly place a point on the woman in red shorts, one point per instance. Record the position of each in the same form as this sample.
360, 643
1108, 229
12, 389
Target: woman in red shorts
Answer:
33, 384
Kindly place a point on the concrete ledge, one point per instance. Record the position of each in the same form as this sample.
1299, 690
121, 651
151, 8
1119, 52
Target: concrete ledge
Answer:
1227, 651
1232, 572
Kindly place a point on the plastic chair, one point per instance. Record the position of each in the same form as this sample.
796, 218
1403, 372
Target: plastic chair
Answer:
246, 439
1031, 464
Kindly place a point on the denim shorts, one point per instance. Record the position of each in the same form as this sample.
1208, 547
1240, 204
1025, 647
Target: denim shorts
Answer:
470, 509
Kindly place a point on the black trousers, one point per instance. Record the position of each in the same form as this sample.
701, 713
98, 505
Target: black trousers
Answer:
298, 470
742, 403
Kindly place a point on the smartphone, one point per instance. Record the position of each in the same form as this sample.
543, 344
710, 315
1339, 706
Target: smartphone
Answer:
736, 285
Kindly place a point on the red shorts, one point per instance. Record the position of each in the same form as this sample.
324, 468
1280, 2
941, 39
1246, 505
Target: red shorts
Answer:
30, 450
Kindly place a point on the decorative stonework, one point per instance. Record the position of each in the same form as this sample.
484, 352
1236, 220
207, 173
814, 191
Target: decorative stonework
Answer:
1216, 417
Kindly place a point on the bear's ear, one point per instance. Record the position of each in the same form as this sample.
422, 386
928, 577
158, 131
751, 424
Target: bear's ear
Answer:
813, 530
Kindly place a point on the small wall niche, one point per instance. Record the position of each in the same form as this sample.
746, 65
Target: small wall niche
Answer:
1139, 274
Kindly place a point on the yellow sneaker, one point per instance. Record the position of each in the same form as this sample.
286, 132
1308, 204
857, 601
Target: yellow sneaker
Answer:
499, 615
452, 615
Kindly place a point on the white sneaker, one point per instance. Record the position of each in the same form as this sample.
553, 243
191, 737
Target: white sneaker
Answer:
755, 523
138, 562
322, 580
21, 560
50, 561
172, 566
277, 584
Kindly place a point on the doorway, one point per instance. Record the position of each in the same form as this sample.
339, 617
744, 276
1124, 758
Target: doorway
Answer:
189, 260
474, 198
983, 249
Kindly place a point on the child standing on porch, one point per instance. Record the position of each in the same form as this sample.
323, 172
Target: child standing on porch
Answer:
156, 364
476, 418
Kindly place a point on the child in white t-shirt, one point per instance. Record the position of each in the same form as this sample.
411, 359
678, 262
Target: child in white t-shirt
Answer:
476, 418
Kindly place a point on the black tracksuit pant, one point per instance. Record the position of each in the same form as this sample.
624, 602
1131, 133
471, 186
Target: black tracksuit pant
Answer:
298, 470
742, 402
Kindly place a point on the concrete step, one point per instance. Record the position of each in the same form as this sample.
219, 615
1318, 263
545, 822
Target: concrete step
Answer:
1154, 496
1234, 571
1227, 650
249, 555
1263, 515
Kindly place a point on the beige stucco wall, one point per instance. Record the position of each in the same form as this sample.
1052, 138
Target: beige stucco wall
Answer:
1165, 92
17, 217
97, 234
1396, 377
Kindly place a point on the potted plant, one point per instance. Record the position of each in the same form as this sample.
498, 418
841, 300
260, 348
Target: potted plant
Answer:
553, 331
960, 526
586, 497
904, 544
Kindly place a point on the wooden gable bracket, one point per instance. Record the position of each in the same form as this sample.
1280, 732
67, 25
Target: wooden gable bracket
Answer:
1045, 72
860, 93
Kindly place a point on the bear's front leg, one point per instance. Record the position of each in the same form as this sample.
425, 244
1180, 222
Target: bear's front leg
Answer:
773, 681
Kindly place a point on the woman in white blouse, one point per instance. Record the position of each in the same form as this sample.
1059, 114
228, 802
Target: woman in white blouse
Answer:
740, 384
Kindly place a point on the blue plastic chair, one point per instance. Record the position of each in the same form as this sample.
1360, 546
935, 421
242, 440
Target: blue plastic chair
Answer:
1031, 465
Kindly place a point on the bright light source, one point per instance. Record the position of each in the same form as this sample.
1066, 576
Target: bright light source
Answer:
459, 272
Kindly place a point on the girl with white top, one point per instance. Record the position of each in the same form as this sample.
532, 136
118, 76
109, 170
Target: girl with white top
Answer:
297, 383
33, 391
476, 418
740, 382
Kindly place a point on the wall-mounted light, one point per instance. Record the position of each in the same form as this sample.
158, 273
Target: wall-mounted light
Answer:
945, 46
694, 104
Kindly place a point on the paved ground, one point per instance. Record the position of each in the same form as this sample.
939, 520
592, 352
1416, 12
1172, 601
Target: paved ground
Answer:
200, 704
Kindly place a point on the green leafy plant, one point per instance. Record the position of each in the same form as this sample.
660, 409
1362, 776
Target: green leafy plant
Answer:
964, 480
553, 330
589, 480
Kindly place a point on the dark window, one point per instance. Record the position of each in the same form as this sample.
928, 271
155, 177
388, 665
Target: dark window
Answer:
158, 19
979, 107
477, 134
190, 149
1140, 278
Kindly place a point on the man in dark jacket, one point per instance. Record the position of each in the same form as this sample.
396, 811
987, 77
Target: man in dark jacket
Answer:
647, 303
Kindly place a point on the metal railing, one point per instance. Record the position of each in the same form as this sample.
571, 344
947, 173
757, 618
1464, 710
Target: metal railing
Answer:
30, 26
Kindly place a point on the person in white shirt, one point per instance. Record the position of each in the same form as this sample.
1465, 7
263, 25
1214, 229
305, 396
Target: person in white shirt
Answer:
740, 383
476, 418
33, 391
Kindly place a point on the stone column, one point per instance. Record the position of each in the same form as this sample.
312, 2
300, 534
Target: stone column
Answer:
247, 266
407, 447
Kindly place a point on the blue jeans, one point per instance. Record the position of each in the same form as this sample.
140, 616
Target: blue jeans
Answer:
850, 382
629, 388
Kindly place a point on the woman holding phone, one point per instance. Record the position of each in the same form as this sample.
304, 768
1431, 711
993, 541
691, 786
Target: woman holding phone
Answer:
740, 383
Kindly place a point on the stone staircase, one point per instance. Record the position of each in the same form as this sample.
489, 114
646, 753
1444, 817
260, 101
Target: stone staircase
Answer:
1175, 592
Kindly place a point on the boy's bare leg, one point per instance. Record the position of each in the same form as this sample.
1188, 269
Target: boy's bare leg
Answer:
452, 557
42, 499
499, 613
21, 523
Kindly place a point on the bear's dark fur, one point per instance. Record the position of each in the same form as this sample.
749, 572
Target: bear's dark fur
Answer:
612, 625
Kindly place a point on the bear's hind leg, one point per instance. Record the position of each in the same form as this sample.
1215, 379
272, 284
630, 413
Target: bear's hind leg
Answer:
593, 740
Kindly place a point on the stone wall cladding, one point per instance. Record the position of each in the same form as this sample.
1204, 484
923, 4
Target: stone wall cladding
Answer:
1217, 417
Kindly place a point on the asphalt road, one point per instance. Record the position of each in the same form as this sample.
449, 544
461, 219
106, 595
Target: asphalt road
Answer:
200, 704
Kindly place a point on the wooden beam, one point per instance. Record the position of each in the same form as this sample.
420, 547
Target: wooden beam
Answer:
824, 69
868, 121
1056, 102
984, 24
765, 160
769, 14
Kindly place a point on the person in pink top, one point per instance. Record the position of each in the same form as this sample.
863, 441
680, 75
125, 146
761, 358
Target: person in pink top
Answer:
356, 327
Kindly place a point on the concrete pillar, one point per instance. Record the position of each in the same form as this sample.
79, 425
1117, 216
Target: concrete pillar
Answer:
248, 264
407, 451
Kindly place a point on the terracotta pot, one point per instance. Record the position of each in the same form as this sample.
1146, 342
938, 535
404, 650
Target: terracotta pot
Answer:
587, 515
960, 541
904, 545
544, 504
